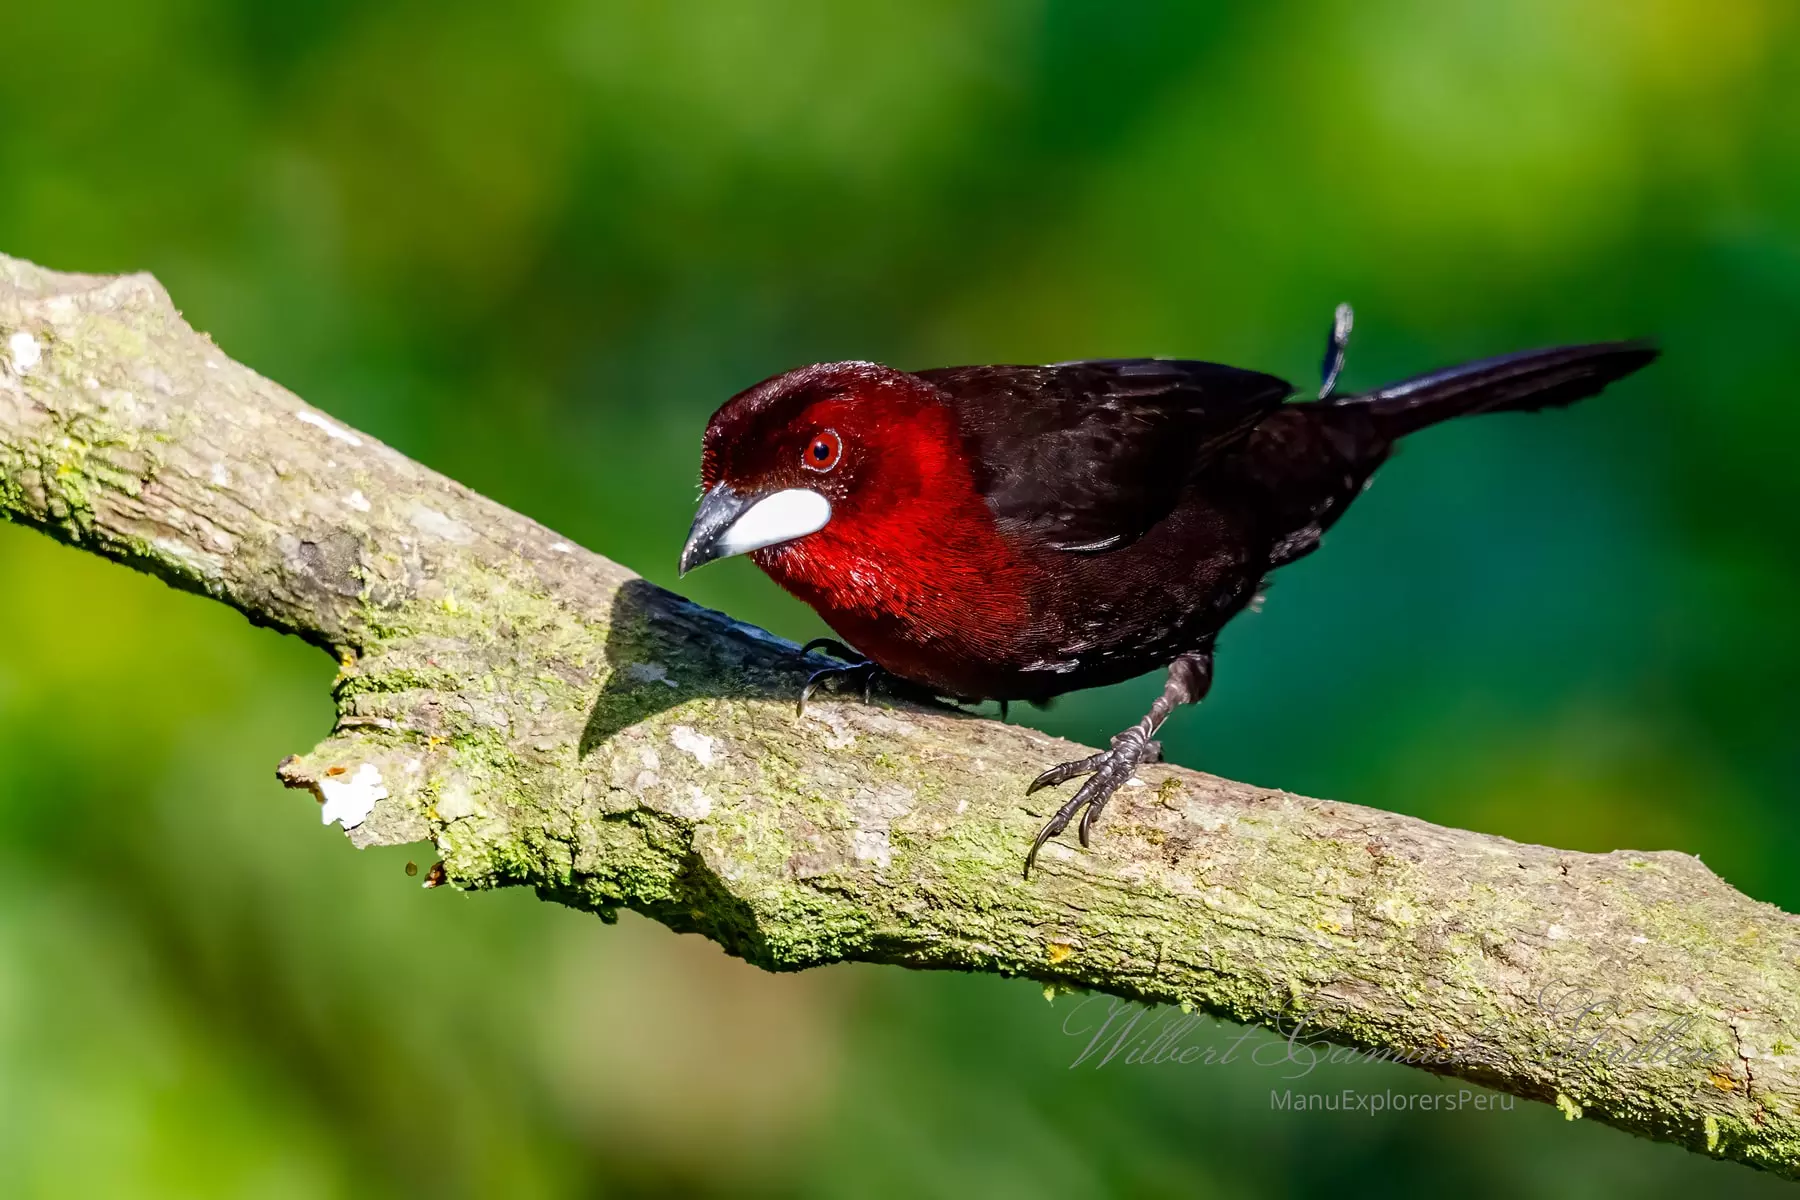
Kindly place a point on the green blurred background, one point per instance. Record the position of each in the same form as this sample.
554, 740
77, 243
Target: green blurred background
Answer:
535, 244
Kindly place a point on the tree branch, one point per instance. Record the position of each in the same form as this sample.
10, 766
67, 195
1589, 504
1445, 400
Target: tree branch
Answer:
548, 719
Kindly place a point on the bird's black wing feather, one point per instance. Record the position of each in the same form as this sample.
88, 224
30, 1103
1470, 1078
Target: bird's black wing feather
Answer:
1088, 456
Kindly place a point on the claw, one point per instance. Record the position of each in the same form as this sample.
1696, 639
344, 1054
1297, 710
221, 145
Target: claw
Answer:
864, 672
1037, 843
812, 685
1189, 677
858, 667
1107, 772
1085, 830
1056, 824
1063, 772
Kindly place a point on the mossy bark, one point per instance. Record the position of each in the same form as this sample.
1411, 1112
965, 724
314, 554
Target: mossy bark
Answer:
548, 719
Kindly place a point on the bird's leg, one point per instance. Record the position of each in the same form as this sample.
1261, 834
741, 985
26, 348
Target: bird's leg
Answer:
858, 670
1335, 345
1189, 678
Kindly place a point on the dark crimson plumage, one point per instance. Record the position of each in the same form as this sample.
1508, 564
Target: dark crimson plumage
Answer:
1016, 532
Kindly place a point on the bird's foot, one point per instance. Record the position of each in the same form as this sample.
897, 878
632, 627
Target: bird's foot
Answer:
856, 671
1106, 772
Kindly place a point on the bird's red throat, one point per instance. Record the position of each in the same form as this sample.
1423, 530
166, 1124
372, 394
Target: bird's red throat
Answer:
910, 565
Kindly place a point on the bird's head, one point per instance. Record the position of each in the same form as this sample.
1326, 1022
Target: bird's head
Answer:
821, 466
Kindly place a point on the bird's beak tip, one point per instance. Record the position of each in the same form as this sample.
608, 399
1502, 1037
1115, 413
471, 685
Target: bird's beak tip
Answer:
719, 529
718, 509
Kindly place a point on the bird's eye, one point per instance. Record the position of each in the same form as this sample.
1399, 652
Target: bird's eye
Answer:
823, 452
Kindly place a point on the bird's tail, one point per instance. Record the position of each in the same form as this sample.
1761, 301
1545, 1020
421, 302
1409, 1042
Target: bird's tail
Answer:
1522, 382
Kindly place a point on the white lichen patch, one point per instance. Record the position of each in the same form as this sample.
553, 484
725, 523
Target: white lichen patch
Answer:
221, 478
357, 501
872, 846
208, 566
881, 805
651, 672
1392, 908
24, 351
875, 812
331, 431
695, 743
455, 803
350, 798
1556, 933
695, 806
561, 548
1208, 818
436, 524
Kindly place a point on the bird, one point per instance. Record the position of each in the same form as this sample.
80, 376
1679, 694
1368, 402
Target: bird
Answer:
1014, 533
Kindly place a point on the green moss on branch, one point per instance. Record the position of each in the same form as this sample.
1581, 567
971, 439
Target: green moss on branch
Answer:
550, 721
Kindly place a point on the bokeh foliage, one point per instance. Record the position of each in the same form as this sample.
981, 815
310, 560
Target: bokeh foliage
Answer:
535, 244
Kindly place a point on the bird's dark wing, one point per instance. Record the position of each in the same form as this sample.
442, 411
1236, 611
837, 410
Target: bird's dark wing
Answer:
1088, 456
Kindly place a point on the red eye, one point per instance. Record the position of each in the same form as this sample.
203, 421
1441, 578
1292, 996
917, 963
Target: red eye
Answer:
823, 452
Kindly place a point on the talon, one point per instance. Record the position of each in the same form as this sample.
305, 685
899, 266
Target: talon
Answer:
1085, 830
1052, 827
1063, 772
813, 683
1107, 773
864, 672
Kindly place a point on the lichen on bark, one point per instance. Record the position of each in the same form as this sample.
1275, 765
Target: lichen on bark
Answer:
548, 720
